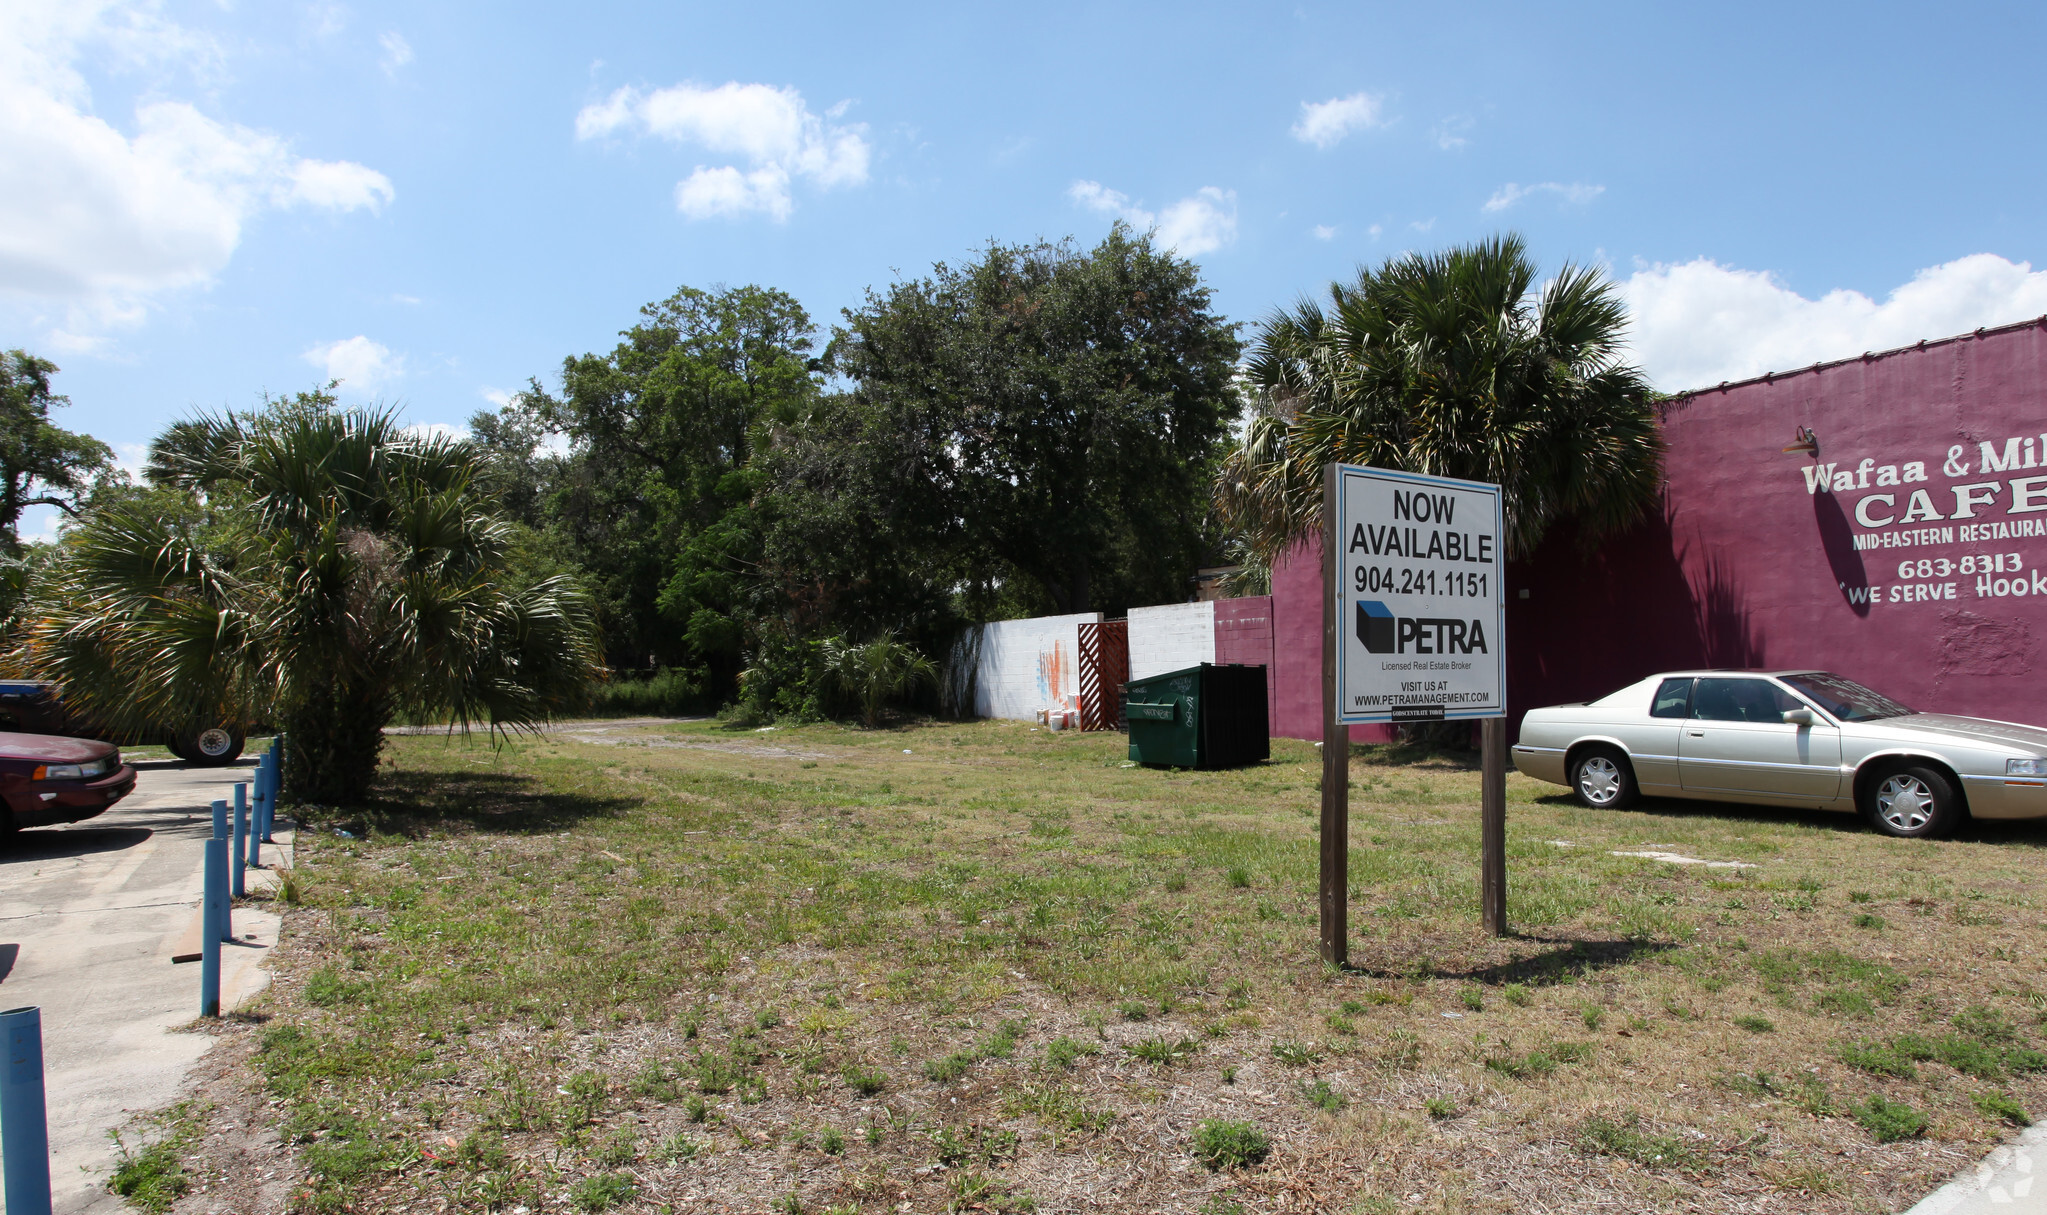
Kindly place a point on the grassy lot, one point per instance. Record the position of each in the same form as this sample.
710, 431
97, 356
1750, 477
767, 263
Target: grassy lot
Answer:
983, 967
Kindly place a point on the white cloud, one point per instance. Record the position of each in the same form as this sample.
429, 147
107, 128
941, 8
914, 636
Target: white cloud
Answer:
437, 430
397, 51
1697, 323
360, 364
1423, 225
1200, 223
339, 185
1325, 123
1323, 232
771, 130
1450, 133
1374, 231
1577, 193
97, 220
496, 396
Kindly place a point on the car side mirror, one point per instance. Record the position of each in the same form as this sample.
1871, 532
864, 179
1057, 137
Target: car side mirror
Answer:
1799, 717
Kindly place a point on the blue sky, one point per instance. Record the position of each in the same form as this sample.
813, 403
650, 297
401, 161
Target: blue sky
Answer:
210, 200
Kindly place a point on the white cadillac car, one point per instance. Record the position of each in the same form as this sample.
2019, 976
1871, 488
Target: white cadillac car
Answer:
1788, 738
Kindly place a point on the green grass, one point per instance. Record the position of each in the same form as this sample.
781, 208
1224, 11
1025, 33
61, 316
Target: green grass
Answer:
1222, 1143
154, 1178
1889, 1121
2004, 1107
1624, 1137
741, 949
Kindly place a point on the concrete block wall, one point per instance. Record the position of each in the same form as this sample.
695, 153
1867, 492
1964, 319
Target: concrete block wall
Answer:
1028, 665
1170, 637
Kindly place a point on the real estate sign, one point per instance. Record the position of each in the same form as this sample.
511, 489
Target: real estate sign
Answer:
1419, 596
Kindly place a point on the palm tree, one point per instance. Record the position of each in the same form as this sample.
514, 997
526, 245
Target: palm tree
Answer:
875, 672
320, 568
1450, 364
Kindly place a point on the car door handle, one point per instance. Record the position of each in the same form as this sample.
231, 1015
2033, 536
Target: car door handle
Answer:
1697, 733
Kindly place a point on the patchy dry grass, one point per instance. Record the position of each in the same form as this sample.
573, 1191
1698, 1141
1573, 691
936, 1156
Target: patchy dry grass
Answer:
981, 967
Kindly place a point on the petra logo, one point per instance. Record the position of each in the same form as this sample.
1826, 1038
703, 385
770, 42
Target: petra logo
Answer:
1384, 633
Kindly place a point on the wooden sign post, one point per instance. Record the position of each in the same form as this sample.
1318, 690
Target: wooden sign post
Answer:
1413, 629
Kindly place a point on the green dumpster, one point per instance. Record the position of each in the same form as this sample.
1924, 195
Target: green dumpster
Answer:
1208, 716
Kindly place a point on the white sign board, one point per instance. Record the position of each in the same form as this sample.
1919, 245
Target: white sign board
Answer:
1420, 600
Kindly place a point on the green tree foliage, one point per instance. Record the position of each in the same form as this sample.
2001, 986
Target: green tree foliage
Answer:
40, 464
654, 495
317, 567
1039, 425
1450, 363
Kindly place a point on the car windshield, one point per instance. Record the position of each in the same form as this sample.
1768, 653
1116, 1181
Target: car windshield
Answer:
1846, 699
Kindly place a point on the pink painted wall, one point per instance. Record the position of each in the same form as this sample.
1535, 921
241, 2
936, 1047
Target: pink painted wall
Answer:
1744, 567
1297, 649
1243, 633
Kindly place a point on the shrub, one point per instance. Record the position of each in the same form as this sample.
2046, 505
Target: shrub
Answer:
1889, 1121
1222, 1143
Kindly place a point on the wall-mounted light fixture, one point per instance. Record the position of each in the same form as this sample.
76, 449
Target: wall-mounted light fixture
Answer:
1807, 443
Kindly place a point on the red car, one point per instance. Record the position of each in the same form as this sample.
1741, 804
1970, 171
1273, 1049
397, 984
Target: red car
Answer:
46, 779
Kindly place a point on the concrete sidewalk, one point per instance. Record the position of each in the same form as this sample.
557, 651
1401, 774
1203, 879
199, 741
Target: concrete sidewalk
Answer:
87, 914
2001, 1182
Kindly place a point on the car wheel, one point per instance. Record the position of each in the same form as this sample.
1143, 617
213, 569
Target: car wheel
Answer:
1913, 801
1603, 779
213, 747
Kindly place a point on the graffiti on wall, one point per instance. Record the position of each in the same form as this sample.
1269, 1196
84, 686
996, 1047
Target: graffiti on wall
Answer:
1055, 674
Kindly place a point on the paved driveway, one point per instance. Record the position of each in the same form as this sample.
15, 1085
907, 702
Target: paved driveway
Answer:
86, 915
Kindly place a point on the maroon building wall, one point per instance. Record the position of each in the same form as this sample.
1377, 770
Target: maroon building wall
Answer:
1757, 558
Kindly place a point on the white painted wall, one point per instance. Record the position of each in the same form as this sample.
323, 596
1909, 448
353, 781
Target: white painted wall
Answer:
1170, 637
1028, 665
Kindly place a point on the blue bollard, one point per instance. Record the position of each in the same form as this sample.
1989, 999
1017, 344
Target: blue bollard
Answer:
266, 784
24, 1115
215, 912
238, 856
217, 922
249, 811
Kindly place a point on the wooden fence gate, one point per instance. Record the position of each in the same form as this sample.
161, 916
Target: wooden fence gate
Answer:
1104, 669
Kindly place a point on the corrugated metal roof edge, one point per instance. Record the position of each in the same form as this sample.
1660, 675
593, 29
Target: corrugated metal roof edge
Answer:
1867, 356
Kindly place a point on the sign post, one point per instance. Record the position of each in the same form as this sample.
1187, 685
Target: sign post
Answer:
1414, 629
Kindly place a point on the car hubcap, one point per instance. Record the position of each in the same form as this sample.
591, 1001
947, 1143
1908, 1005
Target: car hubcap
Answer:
214, 743
1905, 802
1599, 780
